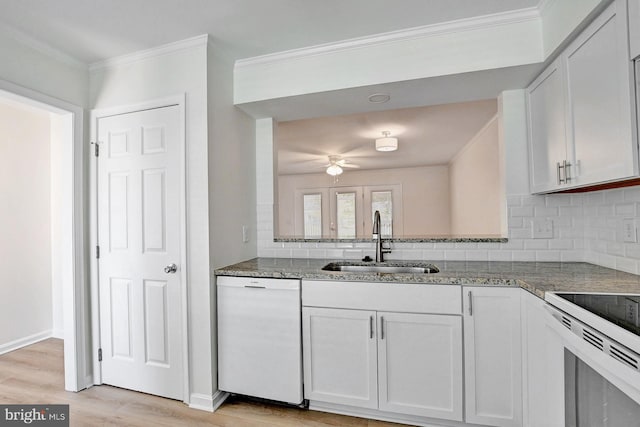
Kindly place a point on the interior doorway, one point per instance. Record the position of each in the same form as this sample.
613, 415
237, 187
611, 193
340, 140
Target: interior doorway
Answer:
60, 256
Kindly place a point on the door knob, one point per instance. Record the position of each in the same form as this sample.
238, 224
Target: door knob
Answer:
171, 268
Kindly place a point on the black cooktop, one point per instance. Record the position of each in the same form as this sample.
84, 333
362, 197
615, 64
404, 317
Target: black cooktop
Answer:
619, 309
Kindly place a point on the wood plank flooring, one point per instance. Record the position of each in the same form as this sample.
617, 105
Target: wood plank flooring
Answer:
34, 374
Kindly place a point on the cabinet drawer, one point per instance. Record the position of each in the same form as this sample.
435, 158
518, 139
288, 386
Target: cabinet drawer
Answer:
400, 297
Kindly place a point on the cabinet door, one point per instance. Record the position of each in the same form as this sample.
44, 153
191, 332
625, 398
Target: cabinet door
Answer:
493, 361
600, 102
543, 362
547, 131
340, 361
420, 364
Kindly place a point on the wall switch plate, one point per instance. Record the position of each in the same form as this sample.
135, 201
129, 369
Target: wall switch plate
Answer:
629, 230
542, 228
245, 234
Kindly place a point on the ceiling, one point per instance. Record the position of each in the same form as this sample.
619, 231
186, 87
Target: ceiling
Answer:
430, 135
94, 30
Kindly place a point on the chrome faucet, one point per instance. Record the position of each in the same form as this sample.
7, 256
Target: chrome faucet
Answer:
377, 234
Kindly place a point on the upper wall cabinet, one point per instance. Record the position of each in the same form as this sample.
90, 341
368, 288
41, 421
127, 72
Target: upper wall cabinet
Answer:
634, 28
581, 110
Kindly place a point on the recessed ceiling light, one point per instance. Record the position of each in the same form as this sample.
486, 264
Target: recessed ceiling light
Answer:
379, 98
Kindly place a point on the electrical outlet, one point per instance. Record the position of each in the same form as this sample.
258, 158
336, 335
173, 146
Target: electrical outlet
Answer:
631, 311
245, 234
629, 232
542, 228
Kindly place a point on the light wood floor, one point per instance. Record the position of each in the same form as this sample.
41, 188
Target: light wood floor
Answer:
34, 374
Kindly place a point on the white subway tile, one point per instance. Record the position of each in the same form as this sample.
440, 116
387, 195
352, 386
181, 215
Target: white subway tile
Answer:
545, 211
536, 244
548, 256
500, 255
625, 209
455, 255
477, 255
628, 265
524, 256
558, 200
525, 211
571, 256
613, 196
562, 244
432, 255
632, 194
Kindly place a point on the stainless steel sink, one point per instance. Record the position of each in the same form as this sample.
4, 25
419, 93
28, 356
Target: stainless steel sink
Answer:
379, 267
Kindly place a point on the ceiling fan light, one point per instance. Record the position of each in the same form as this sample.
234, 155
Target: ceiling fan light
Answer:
334, 170
387, 143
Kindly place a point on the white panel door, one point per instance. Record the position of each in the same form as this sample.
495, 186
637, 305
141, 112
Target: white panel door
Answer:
420, 364
600, 101
340, 361
493, 356
139, 236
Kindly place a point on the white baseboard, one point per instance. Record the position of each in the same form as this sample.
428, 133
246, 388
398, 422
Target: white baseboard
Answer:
202, 402
218, 399
23, 342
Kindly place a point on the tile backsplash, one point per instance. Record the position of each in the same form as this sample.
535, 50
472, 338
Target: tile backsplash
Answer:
586, 227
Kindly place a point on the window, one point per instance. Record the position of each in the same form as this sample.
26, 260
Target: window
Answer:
346, 215
312, 215
383, 201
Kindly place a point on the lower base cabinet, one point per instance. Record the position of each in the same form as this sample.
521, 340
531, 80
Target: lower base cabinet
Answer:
493, 356
395, 362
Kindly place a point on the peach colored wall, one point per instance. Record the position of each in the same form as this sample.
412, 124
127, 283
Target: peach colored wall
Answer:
476, 186
425, 192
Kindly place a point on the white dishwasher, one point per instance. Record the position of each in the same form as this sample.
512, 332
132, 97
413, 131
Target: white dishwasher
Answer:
259, 338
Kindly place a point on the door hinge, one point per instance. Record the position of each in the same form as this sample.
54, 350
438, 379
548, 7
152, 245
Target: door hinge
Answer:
98, 252
96, 148
99, 355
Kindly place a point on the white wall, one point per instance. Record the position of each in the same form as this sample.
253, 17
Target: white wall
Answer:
425, 194
232, 175
232, 178
61, 215
134, 80
476, 185
25, 225
32, 66
480, 44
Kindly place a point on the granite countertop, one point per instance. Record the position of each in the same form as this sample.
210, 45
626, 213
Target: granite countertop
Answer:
535, 277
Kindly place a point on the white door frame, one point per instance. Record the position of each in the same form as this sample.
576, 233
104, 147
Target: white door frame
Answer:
75, 314
179, 101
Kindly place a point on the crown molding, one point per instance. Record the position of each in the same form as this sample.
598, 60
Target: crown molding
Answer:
198, 41
41, 47
460, 25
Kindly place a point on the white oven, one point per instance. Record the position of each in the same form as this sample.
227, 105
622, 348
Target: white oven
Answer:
597, 358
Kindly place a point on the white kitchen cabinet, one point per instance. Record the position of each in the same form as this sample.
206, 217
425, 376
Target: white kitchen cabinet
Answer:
543, 366
420, 365
547, 128
340, 356
586, 94
634, 28
395, 362
493, 356
367, 345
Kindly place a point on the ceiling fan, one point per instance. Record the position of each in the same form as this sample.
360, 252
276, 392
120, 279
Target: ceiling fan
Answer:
336, 163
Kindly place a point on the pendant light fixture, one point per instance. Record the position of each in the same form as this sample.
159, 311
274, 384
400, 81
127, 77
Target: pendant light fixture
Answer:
387, 143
